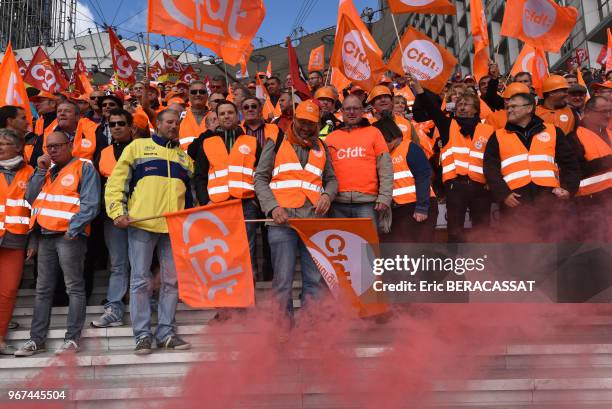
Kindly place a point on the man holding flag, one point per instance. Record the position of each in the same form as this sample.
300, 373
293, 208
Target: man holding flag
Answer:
295, 179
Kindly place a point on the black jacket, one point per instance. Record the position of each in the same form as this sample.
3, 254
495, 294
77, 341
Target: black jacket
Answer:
565, 156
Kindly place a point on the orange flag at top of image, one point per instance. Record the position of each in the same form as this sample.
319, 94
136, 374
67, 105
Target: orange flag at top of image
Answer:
226, 27
533, 61
422, 6
481, 39
428, 61
354, 57
343, 251
317, 59
346, 7
541, 23
211, 254
12, 88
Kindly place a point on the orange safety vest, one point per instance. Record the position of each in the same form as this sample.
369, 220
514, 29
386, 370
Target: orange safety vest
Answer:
497, 119
404, 186
230, 175
463, 155
594, 148
39, 127
520, 166
291, 183
562, 118
107, 161
59, 200
14, 209
190, 130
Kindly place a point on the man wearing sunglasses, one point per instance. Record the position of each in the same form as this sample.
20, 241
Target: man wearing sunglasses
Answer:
121, 125
193, 123
68, 201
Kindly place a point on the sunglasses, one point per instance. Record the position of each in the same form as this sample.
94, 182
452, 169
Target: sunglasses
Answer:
216, 101
118, 123
198, 92
109, 104
249, 106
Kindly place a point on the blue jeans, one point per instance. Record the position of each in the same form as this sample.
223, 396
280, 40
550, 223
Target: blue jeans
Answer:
55, 253
355, 210
142, 243
285, 245
117, 243
250, 211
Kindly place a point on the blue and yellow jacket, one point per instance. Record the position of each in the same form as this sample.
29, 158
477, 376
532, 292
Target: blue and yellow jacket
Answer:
152, 177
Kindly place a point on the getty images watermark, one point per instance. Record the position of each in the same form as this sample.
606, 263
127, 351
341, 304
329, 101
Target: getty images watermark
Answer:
486, 273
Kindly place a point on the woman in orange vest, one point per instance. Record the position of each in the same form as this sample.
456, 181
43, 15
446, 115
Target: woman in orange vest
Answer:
462, 142
594, 146
413, 214
14, 225
530, 167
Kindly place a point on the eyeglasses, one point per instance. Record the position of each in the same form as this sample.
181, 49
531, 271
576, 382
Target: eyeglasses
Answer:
55, 146
109, 104
511, 107
250, 106
216, 101
352, 109
198, 92
118, 123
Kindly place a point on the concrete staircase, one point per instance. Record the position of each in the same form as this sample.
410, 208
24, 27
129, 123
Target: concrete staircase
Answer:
351, 363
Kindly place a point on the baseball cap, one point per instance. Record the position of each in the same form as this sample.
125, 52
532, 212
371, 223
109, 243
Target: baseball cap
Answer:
308, 111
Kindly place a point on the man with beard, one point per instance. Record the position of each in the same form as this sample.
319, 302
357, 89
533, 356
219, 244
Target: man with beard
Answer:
554, 109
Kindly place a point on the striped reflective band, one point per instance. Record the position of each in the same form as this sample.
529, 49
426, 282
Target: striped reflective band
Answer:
241, 169
218, 174
596, 179
59, 198
404, 190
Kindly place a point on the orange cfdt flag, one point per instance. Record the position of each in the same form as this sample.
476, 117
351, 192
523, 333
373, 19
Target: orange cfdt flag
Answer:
316, 62
12, 88
269, 69
346, 7
541, 23
123, 64
343, 251
227, 28
422, 6
480, 36
41, 73
427, 60
534, 61
354, 57
211, 254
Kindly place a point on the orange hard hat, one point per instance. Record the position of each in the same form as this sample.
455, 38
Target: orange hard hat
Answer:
308, 111
325, 92
141, 121
553, 83
378, 91
515, 88
176, 100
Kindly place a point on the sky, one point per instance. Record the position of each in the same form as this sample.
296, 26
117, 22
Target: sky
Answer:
130, 17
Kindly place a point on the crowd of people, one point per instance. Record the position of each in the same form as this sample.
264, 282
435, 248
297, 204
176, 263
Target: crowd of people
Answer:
74, 190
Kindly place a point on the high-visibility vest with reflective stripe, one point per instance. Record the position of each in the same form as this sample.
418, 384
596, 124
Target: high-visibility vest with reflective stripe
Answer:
107, 161
230, 175
190, 130
39, 127
291, 183
463, 155
59, 200
562, 118
594, 148
14, 209
404, 186
520, 166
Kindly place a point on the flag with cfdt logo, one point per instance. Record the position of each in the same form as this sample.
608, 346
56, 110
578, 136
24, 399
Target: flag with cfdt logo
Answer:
123, 64
343, 251
354, 56
421, 56
211, 255
534, 61
12, 88
541, 23
422, 6
480, 36
41, 73
317, 59
226, 27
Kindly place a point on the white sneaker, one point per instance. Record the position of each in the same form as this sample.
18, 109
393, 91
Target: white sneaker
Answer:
68, 345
